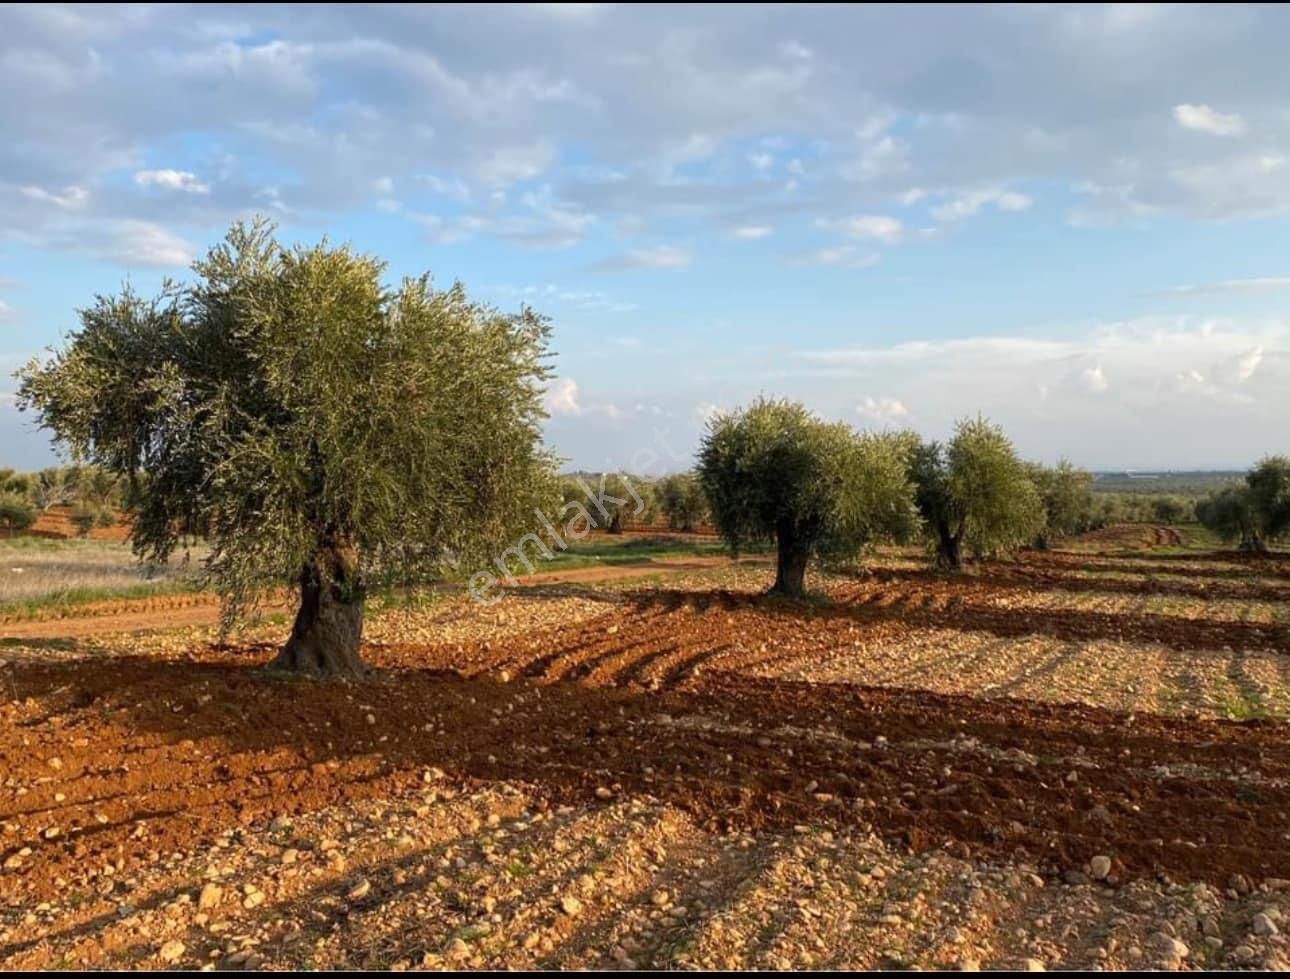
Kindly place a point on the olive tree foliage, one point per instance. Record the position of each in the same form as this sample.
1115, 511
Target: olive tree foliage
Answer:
1269, 488
682, 500
321, 427
613, 499
1169, 509
16, 513
1228, 514
974, 491
17, 484
1066, 495
1254, 514
774, 471
54, 486
627, 499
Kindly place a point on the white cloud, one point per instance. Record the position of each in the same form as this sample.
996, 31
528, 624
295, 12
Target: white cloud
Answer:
562, 397
761, 161
588, 299
178, 180
705, 411
915, 351
875, 227
71, 198
1012, 201
1247, 364
869, 103
657, 257
966, 205
538, 222
752, 232
1094, 379
563, 400
842, 256
1167, 391
796, 50
882, 410
1264, 284
455, 189
1140, 355
6, 311
145, 243
510, 164
878, 159
1206, 120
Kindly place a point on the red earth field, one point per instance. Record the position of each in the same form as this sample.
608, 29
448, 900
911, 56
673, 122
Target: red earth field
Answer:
1073, 759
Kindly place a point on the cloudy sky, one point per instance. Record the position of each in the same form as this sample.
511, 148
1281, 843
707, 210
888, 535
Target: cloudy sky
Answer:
1073, 220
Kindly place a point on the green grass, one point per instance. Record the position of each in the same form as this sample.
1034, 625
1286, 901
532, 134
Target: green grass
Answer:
39, 575
636, 550
69, 599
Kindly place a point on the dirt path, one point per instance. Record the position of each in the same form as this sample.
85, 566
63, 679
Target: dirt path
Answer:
201, 610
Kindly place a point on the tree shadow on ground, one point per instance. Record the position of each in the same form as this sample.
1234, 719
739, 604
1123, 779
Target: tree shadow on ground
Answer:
921, 610
189, 749
1050, 578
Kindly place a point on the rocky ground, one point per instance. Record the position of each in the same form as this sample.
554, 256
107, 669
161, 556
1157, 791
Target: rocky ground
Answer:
673, 773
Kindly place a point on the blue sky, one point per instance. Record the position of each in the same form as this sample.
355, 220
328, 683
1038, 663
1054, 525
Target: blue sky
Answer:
1072, 219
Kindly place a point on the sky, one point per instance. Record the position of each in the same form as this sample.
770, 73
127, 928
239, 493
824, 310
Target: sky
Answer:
1073, 220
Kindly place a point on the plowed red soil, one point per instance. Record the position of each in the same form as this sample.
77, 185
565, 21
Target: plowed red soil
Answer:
56, 523
1128, 536
668, 695
186, 748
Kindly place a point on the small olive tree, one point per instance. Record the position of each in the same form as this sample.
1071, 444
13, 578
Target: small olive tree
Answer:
1169, 509
1230, 515
974, 490
16, 513
1066, 494
1269, 487
320, 426
682, 499
776, 472
613, 498
53, 487
1255, 514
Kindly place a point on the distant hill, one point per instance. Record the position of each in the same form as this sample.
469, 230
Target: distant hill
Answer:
1183, 481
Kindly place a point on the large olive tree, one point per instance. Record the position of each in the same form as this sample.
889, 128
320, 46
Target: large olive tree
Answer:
974, 491
776, 472
320, 426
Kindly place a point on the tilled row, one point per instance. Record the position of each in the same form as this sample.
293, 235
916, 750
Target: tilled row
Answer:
149, 757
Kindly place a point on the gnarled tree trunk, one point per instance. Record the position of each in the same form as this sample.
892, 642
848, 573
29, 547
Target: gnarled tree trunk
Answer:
1253, 544
790, 563
949, 548
329, 624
